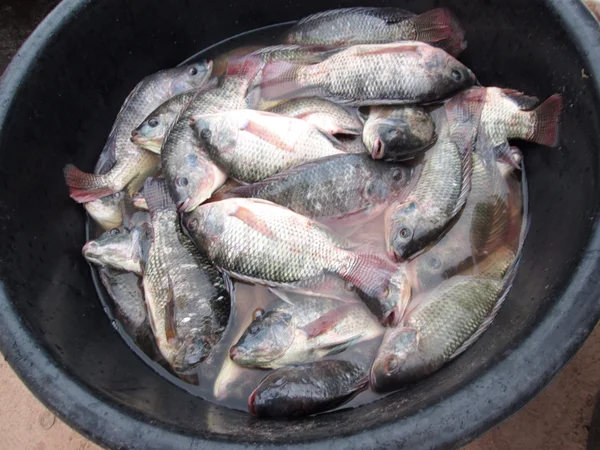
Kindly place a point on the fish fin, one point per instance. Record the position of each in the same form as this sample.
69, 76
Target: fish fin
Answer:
327, 321
524, 102
280, 81
456, 42
369, 273
245, 66
267, 134
433, 25
466, 106
253, 221
333, 348
170, 326
335, 142
384, 49
157, 195
464, 135
509, 155
281, 295
313, 53
546, 119
86, 187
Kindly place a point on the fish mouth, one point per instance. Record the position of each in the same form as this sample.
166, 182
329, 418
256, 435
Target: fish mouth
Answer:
187, 205
378, 150
152, 145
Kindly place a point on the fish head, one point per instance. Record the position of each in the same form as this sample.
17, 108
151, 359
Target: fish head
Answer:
403, 230
193, 178
194, 350
151, 133
190, 76
218, 132
398, 178
429, 268
107, 211
267, 338
117, 248
449, 74
205, 224
398, 361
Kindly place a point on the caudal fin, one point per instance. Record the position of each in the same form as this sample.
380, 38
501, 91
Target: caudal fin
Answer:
86, 187
280, 81
546, 120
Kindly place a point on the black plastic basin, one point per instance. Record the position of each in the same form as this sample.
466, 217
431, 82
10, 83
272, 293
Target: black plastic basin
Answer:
58, 100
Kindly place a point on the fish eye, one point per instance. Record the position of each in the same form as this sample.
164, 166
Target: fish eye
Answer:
392, 133
391, 364
193, 71
117, 195
181, 181
405, 233
258, 312
114, 231
153, 122
434, 262
205, 133
397, 175
192, 224
456, 75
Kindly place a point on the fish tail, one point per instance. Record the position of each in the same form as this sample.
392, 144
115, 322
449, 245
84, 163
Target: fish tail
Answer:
369, 273
87, 187
546, 119
455, 43
433, 26
280, 81
157, 195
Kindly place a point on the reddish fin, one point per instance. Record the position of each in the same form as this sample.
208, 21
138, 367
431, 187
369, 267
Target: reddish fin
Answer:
267, 134
546, 119
433, 26
279, 81
157, 195
455, 43
327, 321
369, 273
85, 187
170, 327
253, 221
524, 102
246, 66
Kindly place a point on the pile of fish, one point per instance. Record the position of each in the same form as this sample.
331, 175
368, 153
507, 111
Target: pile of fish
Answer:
342, 211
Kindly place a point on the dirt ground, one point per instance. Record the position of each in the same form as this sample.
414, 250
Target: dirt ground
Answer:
558, 419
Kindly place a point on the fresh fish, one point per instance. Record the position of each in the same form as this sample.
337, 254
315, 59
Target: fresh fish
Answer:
191, 174
353, 144
120, 248
510, 114
440, 326
251, 145
107, 211
481, 227
299, 391
129, 164
188, 302
306, 330
400, 73
150, 134
398, 133
126, 291
438, 196
335, 187
367, 25
326, 115
260, 242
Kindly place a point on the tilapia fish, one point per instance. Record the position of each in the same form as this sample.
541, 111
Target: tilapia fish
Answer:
260, 242
438, 196
107, 211
480, 229
251, 145
130, 165
191, 174
400, 73
398, 133
336, 187
126, 291
326, 115
364, 25
440, 326
303, 390
188, 303
509, 114
151, 133
306, 330
120, 248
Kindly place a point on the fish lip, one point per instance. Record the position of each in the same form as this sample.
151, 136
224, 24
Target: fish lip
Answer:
377, 150
86, 248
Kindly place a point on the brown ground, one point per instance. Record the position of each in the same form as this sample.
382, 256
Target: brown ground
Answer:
558, 419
